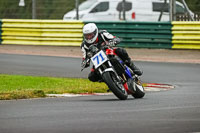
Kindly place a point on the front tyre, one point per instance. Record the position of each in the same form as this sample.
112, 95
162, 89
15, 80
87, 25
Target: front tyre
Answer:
115, 85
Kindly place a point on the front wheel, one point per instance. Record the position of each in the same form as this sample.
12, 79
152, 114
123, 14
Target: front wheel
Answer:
115, 85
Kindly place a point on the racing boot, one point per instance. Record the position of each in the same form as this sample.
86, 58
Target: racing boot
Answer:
135, 69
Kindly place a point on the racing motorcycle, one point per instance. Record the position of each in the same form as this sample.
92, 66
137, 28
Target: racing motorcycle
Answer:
119, 78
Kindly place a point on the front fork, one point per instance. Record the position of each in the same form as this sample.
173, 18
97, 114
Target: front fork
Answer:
103, 69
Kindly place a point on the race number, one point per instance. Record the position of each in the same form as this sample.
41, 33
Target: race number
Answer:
99, 58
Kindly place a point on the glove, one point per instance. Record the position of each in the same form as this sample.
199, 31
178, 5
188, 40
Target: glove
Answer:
85, 64
112, 43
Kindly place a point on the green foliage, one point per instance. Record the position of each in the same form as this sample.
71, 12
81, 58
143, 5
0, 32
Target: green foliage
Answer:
194, 5
52, 9
45, 9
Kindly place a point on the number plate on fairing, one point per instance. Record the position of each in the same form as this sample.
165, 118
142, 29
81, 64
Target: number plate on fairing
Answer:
99, 58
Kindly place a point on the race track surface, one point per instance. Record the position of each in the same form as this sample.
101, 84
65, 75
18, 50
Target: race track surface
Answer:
173, 111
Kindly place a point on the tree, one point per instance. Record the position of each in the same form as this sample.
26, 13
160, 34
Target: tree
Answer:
194, 5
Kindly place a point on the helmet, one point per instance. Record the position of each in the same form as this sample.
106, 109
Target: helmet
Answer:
90, 32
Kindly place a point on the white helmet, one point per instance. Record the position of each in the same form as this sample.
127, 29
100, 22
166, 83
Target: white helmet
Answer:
90, 32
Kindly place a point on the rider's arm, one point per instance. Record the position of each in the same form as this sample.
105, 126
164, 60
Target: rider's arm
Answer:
84, 52
84, 63
112, 40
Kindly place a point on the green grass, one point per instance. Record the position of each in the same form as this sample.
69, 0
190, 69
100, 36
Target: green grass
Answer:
21, 87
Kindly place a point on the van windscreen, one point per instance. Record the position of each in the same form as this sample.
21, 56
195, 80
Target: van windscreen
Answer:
86, 5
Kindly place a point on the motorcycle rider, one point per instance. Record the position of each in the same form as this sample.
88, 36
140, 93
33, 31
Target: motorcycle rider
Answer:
93, 36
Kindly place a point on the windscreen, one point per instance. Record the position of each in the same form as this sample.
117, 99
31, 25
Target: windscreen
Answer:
86, 5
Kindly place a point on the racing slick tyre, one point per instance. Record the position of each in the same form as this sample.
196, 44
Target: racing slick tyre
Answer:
139, 89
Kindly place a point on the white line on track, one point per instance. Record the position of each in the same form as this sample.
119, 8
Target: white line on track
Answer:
151, 88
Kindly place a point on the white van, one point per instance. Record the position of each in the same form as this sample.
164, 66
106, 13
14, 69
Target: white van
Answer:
111, 10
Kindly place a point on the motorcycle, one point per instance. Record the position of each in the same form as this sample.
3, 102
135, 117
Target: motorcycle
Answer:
119, 78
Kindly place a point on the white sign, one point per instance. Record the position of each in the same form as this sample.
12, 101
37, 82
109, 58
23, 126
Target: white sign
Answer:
99, 59
21, 3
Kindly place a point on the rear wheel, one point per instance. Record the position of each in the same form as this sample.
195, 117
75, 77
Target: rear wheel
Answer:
139, 89
115, 85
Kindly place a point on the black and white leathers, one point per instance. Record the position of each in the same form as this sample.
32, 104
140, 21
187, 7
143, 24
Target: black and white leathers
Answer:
103, 37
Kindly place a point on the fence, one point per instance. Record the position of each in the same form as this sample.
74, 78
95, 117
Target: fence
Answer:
69, 33
177, 35
140, 34
0, 31
186, 35
187, 18
41, 32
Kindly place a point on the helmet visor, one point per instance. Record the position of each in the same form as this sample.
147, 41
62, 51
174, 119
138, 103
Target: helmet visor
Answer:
90, 36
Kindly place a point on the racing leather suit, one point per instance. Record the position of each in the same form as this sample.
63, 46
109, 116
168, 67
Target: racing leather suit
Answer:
106, 38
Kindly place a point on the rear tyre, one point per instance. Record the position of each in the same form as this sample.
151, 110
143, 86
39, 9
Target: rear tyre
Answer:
139, 93
115, 85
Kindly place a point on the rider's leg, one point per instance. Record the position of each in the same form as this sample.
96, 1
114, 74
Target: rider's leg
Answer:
94, 76
122, 53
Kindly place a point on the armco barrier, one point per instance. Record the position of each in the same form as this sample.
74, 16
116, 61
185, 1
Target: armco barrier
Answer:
140, 34
0, 31
42, 32
69, 33
183, 35
186, 35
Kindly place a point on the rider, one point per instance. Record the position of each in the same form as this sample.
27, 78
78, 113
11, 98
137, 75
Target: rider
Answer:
93, 36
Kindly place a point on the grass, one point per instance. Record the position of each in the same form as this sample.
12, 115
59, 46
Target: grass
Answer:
22, 87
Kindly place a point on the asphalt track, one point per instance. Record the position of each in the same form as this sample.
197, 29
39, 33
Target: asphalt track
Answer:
172, 111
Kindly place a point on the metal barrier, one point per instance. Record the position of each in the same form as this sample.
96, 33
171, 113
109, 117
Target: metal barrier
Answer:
0, 31
42, 32
140, 34
183, 35
186, 35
